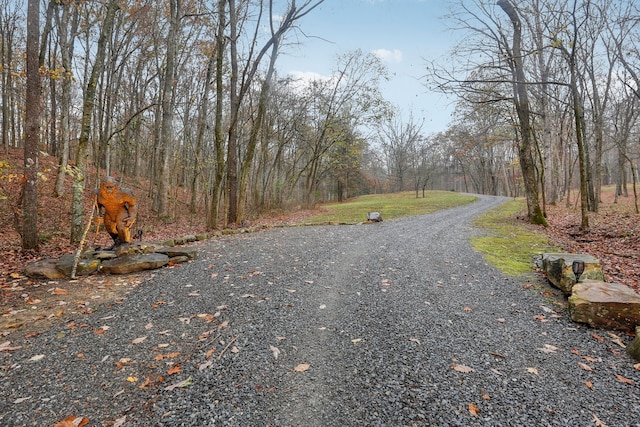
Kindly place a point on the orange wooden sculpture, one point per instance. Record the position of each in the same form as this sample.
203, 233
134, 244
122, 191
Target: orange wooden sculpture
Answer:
118, 209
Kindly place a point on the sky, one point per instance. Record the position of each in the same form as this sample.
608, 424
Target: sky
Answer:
405, 34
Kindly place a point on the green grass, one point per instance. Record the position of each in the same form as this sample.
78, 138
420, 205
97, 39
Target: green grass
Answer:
508, 244
390, 206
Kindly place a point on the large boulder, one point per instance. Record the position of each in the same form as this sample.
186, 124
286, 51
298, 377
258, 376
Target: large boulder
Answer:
557, 266
605, 305
133, 263
85, 266
634, 348
44, 269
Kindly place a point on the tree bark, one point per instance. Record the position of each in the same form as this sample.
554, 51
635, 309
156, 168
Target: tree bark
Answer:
521, 100
29, 228
166, 135
67, 42
212, 220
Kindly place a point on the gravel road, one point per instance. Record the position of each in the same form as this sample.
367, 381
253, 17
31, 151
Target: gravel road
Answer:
398, 323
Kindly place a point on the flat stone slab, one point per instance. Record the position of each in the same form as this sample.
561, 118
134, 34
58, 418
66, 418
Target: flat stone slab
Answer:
557, 266
44, 269
172, 252
85, 266
605, 305
133, 263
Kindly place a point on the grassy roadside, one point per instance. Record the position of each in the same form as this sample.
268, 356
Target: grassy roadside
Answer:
507, 244
390, 206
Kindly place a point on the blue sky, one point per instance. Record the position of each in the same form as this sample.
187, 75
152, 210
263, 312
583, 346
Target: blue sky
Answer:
404, 32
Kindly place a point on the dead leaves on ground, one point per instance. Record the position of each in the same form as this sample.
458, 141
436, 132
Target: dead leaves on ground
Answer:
72, 422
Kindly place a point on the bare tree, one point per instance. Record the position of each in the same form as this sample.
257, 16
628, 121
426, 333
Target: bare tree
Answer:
88, 104
29, 229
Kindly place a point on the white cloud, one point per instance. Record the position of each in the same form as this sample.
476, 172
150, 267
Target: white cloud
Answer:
302, 79
387, 55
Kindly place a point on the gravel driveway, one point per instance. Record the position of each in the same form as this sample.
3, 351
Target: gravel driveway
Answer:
399, 323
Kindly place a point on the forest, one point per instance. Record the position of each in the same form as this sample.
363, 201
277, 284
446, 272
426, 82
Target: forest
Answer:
186, 97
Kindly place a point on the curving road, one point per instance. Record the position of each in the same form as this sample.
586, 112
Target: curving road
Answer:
399, 323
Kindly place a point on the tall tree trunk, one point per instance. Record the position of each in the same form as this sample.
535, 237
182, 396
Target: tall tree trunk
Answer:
234, 103
166, 137
201, 126
212, 220
67, 42
29, 229
85, 126
255, 131
521, 100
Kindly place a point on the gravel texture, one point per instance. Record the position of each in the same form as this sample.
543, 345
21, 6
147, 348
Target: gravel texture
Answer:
398, 323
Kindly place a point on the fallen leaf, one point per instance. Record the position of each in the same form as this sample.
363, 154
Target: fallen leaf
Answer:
205, 365
501, 320
462, 368
21, 399
532, 371
60, 291
597, 422
36, 358
585, 366
181, 384
468, 309
147, 326
120, 421
589, 384
209, 353
589, 359
624, 380
174, 369
495, 371
235, 349
145, 383
275, 351
6, 346
14, 325
575, 351
473, 409
636, 366
548, 348
138, 340
541, 318
72, 422
302, 367
616, 340
132, 379
415, 340
356, 340
598, 337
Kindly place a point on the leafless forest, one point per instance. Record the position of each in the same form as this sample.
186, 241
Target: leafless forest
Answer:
186, 95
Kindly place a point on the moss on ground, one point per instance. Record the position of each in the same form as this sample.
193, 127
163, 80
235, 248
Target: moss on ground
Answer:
509, 244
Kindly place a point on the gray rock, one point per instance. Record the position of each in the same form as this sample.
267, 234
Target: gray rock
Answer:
134, 263
136, 248
557, 266
374, 216
171, 252
85, 266
43, 269
634, 348
605, 305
